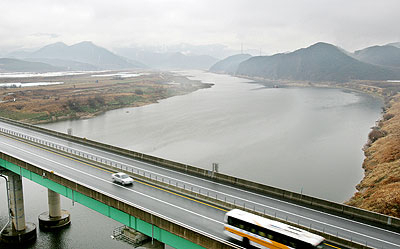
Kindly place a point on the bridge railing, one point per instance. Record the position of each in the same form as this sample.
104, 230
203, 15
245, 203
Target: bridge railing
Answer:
158, 220
339, 209
222, 201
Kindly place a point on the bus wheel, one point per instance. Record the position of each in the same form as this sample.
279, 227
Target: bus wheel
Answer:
246, 242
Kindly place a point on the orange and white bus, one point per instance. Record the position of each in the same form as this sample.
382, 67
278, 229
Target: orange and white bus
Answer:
265, 233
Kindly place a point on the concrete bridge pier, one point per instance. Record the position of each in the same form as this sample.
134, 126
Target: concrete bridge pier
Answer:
19, 231
55, 217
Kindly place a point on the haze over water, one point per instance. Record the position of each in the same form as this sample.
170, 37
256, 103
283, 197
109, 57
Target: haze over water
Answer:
300, 139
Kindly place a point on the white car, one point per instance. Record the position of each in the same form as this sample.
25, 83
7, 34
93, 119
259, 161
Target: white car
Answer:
122, 178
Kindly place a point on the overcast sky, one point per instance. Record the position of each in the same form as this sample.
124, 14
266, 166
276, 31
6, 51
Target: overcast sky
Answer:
268, 25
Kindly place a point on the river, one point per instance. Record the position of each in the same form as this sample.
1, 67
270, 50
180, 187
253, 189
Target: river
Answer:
302, 139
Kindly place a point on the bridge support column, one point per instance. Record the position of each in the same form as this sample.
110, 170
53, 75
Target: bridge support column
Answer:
155, 245
55, 217
19, 231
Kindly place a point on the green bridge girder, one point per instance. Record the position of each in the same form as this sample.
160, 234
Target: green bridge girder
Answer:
120, 216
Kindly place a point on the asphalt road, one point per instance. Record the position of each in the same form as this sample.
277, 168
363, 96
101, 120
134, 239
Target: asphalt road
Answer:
201, 216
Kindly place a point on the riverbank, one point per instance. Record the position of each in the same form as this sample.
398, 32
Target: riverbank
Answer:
379, 190
161, 85
86, 96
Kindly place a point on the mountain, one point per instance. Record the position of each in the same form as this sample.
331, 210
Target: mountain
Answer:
15, 65
180, 61
81, 56
168, 60
394, 44
67, 64
55, 50
319, 62
213, 50
230, 64
218, 51
380, 55
17, 54
85, 52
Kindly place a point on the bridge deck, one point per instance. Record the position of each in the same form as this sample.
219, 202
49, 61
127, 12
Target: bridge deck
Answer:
199, 215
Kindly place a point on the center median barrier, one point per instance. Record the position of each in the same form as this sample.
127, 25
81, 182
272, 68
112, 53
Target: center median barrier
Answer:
226, 206
219, 203
115, 207
384, 221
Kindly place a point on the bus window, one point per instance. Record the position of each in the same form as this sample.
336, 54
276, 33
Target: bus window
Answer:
269, 236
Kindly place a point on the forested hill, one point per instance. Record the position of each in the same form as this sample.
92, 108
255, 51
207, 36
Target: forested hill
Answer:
85, 52
230, 64
15, 65
380, 55
81, 56
319, 62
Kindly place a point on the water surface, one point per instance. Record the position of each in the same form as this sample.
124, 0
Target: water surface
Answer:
300, 139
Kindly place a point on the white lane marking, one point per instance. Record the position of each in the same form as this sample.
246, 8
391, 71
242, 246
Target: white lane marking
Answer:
363, 235
129, 189
80, 171
201, 179
240, 198
116, 197
262, 205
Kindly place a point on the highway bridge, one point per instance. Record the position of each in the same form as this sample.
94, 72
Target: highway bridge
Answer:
177, 204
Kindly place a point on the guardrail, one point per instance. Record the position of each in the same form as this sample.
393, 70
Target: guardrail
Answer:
158, 220
145, 176
175, 186
361, 215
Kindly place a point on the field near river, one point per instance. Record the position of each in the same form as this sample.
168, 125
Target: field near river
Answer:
84, 96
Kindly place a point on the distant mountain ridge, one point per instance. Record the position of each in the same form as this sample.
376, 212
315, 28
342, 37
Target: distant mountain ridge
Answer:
182, 61
394, 44
319, 62
169, 60
230, 64
85, 52
387, 55
56, 50
15, 65
81, 56
66, 64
